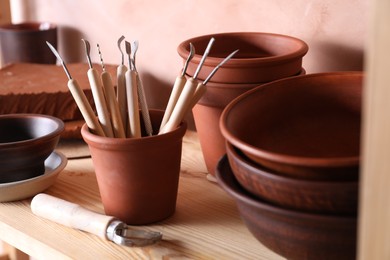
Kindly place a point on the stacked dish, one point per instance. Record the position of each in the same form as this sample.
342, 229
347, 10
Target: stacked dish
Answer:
292, 162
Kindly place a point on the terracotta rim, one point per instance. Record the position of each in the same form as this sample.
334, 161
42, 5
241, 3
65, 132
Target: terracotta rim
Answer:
183, 50
28, 27
229, 183
60, 126
90, 137
284, 158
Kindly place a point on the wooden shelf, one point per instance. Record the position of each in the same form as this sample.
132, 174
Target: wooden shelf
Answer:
206, 223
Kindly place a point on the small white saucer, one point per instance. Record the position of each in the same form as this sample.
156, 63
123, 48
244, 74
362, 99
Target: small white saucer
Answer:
19, 190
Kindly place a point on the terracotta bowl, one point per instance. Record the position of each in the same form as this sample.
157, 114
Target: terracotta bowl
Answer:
263, 57
26, 140
306, 127
292, 234
328, 197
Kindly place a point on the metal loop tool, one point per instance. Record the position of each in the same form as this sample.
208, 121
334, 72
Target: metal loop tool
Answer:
106, 227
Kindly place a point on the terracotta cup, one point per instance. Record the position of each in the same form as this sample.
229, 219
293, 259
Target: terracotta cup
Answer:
138, 177
26, 42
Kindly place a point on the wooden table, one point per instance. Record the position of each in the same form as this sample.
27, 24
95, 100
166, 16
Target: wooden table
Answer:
206, 224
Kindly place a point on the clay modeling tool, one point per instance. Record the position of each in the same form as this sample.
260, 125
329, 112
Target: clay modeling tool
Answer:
201, 88
112, 103
186, 96
98, 95
80, 98
132, 97
177, 88
107, 227
141, 95
121, 85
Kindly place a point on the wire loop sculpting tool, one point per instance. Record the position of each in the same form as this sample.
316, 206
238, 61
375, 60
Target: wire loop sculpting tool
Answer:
121, 86
106, 227
132, 97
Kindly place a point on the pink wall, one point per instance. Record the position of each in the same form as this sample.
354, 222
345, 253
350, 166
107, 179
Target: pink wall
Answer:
334, 30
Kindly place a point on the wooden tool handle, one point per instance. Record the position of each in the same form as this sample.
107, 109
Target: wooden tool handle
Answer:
116, 119
199, 92
100, 102
85, 108
70, 214
132, 103
176, 90
144, 107
182, 104
121, 93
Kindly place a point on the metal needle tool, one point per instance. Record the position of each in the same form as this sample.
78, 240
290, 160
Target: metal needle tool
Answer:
132, 97
121, 85
177, 88
112, 103
141, 95
80, 98
107, 227
186, 96
98, 94
201, 88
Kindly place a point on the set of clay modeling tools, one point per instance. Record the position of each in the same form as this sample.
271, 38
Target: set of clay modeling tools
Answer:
119, 112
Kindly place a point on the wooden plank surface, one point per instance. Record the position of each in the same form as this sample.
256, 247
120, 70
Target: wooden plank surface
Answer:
374, 225
206, 224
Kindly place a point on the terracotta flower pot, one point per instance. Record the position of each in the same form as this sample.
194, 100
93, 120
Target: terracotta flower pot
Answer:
138, 177
206, 116
263, 57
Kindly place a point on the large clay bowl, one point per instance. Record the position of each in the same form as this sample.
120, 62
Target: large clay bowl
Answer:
328, 197
305, 127
292, 234
262, 57
26, 140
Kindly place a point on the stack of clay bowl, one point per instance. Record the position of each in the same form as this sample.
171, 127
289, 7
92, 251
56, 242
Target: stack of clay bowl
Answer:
292, 163
262, 58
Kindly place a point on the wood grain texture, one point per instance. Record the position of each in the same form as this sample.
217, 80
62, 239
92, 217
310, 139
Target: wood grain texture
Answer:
206, 224
374, 224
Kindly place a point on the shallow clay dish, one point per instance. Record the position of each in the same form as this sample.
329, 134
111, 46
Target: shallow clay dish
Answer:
328, 197
263, 57
19, 190
305, 127
26, 140
292, 234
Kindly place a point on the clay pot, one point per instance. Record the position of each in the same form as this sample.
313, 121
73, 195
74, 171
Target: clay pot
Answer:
305, 127
207, 114
26, 140
262, 57
290, 233
26, 42
138, 177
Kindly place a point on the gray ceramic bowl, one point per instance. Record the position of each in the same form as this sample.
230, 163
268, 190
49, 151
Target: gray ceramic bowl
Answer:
290, 233
26, 140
